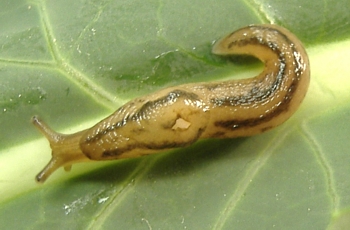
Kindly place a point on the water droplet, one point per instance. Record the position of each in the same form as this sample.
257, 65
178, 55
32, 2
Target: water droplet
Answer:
277, 196
102, 200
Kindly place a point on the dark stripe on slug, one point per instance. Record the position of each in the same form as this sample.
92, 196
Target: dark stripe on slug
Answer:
142, 113
258, 39
258, 95
169, 99
150, 146
235, 124
170, 144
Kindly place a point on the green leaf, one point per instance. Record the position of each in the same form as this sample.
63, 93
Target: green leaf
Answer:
75, 62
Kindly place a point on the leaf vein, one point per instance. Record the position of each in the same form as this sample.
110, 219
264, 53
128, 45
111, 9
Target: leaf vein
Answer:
244, 183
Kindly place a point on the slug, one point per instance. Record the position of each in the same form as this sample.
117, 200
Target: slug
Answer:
178, 116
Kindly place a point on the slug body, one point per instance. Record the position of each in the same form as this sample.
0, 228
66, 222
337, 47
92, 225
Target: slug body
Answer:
178, 116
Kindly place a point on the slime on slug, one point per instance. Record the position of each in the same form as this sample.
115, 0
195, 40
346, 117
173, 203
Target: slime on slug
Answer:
180, 115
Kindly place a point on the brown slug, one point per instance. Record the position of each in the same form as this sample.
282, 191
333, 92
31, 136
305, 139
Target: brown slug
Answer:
180, 115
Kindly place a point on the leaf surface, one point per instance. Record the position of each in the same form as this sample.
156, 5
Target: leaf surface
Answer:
75, 62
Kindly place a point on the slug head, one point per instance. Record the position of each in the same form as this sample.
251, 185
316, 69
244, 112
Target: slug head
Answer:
65, 150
